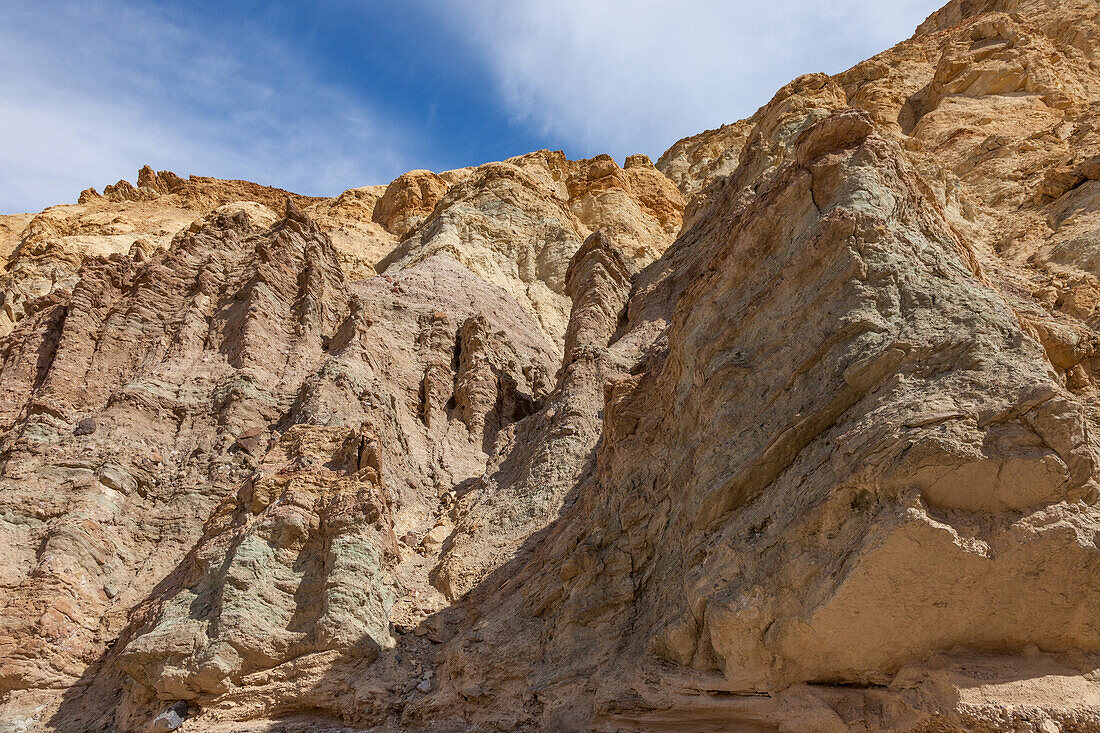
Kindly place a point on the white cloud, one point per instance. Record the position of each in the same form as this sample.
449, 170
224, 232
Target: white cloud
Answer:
92, 90
624, 76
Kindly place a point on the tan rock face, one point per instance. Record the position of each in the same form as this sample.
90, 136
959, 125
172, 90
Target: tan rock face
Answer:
51, 247
408, 200
210, 352
815, 451
516, 224
694, 161
314, 519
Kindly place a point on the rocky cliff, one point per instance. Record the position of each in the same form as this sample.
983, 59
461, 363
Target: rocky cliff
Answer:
795, 430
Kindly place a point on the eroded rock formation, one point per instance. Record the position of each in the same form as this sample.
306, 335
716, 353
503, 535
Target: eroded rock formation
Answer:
537, 445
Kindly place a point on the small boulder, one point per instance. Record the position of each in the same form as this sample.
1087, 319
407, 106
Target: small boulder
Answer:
116, 477
171, 719
249, 440
435, 538
86, 426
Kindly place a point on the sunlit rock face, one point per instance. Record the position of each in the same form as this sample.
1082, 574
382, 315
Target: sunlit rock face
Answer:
794, 430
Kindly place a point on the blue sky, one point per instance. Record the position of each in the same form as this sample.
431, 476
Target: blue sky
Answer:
321, 97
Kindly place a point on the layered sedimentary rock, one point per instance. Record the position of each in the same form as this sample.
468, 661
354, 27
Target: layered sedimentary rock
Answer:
890, 489
518, 223
541, 459
536, 445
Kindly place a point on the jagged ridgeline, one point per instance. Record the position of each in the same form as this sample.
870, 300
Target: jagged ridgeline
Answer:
795, 430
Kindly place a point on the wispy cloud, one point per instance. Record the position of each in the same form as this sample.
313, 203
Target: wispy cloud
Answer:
91, 90
625, 76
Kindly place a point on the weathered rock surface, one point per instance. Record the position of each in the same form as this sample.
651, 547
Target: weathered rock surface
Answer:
517, 223
535, 446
